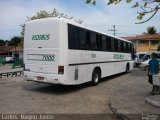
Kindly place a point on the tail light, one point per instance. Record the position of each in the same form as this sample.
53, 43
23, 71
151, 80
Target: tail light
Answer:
60, 69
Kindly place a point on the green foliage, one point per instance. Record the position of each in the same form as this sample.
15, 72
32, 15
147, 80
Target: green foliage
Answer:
91, 1
140, 16
94, 2
2, 42
150, 7
14, 41
135, 5
151, 30
45, 14
128, 1
114, 1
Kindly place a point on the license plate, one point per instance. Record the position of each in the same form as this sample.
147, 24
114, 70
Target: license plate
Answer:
40, 78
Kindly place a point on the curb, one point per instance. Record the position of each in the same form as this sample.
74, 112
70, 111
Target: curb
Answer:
152, 102
119, 115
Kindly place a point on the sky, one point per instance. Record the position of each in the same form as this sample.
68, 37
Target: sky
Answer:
101, 17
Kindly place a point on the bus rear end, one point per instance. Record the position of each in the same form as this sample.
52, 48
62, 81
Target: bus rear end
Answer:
42, 51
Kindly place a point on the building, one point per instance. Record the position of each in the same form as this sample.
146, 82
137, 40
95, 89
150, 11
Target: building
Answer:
145, 43
11, 51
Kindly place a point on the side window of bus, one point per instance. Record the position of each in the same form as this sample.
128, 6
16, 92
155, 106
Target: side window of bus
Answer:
127, 47
116, 45
99, 41
79, 38
132, 51
119, 45
93, 41
83, 38
124, 47
104, 43
112, 44
76, 38
130, 47
70, 37
108, 43
88, 40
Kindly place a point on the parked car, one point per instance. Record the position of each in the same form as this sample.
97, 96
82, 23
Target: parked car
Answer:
148, 56
138, 56
144, 64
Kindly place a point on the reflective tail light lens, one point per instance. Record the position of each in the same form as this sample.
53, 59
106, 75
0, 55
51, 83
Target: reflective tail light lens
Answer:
60, 69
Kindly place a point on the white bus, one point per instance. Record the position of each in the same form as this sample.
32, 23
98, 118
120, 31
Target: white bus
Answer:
60, 51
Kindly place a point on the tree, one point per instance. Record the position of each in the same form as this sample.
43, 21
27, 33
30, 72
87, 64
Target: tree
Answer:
151, 30
15, 41
2, 42
45, 14
150, 7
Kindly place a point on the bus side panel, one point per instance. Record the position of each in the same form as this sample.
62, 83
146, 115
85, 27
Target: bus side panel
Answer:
81, 65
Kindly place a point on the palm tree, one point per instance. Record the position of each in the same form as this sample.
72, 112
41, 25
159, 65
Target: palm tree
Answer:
151, 30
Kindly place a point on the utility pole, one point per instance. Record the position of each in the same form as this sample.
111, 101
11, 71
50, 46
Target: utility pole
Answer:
114, 30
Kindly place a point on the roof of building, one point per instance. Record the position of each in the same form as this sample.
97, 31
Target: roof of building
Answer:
6, 49
143, 37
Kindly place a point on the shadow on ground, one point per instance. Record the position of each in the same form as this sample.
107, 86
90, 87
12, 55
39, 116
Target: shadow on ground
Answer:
62, 89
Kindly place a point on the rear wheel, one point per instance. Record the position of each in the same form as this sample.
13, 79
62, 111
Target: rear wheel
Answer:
96, 75
127, 68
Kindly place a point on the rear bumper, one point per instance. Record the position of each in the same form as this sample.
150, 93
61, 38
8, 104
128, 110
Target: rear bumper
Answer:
48, 78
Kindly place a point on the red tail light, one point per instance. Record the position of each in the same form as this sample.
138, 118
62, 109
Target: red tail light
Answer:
60, 69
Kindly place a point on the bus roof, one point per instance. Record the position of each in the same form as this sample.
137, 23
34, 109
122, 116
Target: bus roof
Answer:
76, 24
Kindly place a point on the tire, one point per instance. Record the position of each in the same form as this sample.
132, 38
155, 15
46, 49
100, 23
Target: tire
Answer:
96, 75
127, 68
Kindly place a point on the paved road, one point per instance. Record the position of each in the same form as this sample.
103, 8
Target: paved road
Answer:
124, 91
